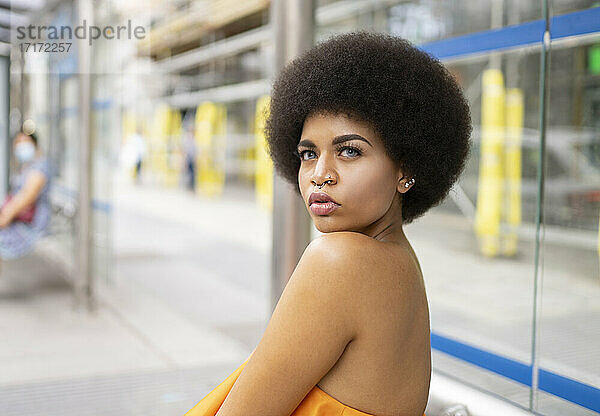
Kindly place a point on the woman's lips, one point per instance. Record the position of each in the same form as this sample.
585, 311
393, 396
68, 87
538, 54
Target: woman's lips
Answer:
322, 204
323, 208
320, 197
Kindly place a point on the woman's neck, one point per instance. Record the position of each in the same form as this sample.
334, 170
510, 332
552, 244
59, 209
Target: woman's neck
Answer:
389, 227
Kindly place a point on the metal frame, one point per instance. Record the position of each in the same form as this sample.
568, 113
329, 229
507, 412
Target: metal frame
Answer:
293, 23
226, 93
216, 50
84, 284
5, 141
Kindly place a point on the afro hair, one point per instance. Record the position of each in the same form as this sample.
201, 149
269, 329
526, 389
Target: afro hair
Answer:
407, 96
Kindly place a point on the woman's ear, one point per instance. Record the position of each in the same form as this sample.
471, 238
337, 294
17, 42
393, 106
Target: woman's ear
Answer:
401, 186
404, 180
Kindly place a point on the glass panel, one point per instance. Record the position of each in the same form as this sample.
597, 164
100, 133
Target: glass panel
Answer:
569, 332
566, 6
104, 147
66, 165
424, 20
477, 249
185, 296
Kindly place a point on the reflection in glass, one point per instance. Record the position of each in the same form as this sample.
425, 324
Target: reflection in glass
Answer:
425, 20
481, 297
570, 315
567, 6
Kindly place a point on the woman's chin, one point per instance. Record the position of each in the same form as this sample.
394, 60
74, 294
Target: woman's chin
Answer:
327, 224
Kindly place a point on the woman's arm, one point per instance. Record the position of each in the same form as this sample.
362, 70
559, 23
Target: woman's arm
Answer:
26, 196
311, 326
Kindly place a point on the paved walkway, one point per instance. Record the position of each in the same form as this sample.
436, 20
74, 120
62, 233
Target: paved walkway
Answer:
176, 316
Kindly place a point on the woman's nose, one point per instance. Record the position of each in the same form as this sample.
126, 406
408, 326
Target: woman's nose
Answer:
322, 171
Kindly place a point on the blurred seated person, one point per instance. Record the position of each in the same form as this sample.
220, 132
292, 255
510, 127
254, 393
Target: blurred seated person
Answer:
25, 213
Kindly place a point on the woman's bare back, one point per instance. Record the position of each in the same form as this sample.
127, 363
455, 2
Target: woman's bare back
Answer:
386, 369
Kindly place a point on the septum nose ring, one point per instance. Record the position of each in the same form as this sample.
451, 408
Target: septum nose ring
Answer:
328, 180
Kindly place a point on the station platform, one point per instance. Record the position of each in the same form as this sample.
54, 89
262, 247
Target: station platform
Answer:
174, 318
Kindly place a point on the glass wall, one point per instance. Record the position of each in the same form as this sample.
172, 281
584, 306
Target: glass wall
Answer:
568, 313
480, 294
424, 20
510, 259
53, 105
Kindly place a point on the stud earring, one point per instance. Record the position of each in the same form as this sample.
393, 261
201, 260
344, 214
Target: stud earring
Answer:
409, 183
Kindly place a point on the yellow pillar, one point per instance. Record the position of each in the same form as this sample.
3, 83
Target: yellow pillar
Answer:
159, 143
264, 165
489, 195
220, 146
173, 159
512, 169
210, 134
128, 125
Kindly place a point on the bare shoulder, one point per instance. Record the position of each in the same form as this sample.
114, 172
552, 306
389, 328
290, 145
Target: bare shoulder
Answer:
373, 273
344, 255
348, 250
335, 262
343, 245
310, 328
385, 296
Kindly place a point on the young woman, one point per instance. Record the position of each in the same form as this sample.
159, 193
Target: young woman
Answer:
29, 191
373, 133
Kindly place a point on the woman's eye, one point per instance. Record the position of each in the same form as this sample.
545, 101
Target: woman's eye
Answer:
353, 152
303, 152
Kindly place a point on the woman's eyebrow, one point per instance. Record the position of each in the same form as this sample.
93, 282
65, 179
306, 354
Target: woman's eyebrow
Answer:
336, 140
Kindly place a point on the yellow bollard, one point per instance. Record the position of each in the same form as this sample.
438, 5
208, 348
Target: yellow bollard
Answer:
512, 169
210, 134
220, 146
128, 125
489, 195
173, 158
203, 133
159, 143
264, 165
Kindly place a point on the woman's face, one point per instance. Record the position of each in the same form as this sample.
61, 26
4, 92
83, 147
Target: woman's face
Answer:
24, 148
364, 180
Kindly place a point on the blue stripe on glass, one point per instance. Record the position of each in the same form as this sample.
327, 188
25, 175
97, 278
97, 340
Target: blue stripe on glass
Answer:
529, 33
97, 205
577, 23
101, 206
497, 39
567, 388
504, 366
68, 112
96, 105
102, 104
